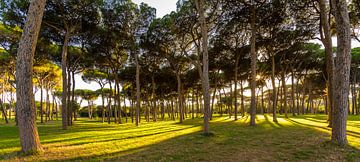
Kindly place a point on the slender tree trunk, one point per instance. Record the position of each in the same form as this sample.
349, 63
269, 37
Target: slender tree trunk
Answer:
64, 112
4, 112
242, 99
342, 69
102, 103
138, 99
69, 103
180, 103
235, 91
253, 67
327, 42
274, 86
29, 138
109, 103
285, 93
47, 116
262, 100
205, 74
73, 95
192, 105
153, 97
41, 103
293, 92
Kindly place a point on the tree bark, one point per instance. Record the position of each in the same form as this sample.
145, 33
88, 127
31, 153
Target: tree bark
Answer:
4, 112
327, 42
235, 91
285, 93
253, 67
138, 99
64, 112
205, 61
274, 87
29, 138
41, 103
180, 102
342, 69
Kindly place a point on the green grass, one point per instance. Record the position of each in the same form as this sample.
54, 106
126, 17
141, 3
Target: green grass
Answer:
302, 138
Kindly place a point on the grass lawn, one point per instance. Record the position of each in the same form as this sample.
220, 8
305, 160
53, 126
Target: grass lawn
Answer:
302, 138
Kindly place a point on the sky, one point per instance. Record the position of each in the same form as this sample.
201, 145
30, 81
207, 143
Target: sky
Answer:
163, 7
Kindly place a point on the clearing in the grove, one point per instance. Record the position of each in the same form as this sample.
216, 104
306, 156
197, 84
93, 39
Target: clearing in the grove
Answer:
302, 138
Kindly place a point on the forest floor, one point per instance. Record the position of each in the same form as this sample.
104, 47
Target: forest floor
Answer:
301, 138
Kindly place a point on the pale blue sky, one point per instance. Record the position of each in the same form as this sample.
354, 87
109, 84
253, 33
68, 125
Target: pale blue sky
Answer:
163, 7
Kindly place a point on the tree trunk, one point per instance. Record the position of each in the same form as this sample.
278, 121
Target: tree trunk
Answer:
235, 91
102, 103
64, 108
73, 95
4, 112
138, 99
253, 67
180, 103
285, 93
153, 97
242, 99
29, 138
293, 92
342, 69
327, 42
205, 73
274, 87
47, 107
69, 103
109, 104
41, 103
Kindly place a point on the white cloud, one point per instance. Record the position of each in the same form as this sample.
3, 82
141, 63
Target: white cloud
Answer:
163, 7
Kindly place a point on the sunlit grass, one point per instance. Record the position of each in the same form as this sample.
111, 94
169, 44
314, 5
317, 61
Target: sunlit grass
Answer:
301, 138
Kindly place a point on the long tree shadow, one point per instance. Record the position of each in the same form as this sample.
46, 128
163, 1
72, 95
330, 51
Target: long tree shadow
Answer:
349, 132
233, 141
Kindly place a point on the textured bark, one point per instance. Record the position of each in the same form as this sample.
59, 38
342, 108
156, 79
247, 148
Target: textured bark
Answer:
153, 98
274, 88
73, 94
29, 138
4, 112
205, 72
342, 69
180, 103
138, 100
235, 91
242, 99
64, 108
327, 42
41, 103
285, 94
253, 68
293, 92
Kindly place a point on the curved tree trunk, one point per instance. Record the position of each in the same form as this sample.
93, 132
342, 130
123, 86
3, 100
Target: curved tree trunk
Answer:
327, 42
29, 138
